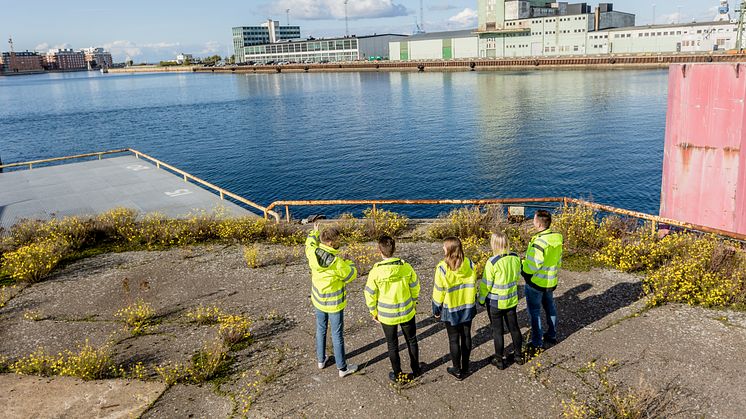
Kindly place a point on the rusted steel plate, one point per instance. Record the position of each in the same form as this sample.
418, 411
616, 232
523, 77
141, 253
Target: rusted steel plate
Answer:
704, 165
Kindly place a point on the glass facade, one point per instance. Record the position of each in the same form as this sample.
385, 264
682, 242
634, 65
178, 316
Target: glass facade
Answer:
331, 50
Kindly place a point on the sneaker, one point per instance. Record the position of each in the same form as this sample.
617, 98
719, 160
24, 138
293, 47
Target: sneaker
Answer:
351, 369
326, 362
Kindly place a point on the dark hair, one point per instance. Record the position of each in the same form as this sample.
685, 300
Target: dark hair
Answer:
386, 245
544, 217
454, 252
329, 235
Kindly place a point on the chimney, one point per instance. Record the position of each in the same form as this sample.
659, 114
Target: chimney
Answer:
597, 19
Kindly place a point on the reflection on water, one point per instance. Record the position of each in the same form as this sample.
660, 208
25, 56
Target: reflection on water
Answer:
596, 134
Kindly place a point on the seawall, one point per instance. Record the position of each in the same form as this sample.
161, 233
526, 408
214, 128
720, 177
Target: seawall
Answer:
603, 63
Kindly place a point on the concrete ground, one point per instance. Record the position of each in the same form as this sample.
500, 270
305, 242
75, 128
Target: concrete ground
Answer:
93, 187
64, 397
687, 358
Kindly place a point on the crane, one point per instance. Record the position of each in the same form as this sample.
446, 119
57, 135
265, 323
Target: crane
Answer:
287, 13
10, 42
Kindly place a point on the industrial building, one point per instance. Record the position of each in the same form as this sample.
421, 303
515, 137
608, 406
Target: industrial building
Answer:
269, 32
536, 28
436, 45
351, 48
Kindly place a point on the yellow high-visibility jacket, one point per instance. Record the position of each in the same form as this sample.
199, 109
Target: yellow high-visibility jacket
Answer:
499, 283
329, 275
543, 260
392, 291
455, 293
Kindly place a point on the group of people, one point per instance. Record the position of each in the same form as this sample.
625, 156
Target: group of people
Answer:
392, 293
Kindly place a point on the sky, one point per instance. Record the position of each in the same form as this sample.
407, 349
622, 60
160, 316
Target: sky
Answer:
153, 30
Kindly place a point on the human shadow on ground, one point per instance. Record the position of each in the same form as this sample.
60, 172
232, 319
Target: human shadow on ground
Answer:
574, 314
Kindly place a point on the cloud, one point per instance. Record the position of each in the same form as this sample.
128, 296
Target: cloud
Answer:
123, 50
335, 9
43, 47
465, 18
443, 6
210, 48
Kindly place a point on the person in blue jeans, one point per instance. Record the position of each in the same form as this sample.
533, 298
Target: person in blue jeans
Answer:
330, 275
540, 269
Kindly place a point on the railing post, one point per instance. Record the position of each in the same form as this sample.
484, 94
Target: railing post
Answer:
266, 216
221, 195
185, 179
374, 208
287, 213
30, 166
100, 155
654, 227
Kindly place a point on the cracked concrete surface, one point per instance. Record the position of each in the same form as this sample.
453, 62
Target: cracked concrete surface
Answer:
601, 317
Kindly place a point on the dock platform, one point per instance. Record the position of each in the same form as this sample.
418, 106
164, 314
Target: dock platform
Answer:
92, 187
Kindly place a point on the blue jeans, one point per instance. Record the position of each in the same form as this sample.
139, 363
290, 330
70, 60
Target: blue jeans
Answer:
338, 341
535, 300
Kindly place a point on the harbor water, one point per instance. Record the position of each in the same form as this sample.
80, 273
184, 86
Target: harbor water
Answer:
589, 134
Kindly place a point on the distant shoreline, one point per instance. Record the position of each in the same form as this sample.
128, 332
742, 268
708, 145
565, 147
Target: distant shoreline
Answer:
600, 63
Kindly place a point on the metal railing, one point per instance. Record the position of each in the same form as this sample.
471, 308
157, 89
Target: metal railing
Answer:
31, 164
655, 220
159, 164
268, 211
222, 192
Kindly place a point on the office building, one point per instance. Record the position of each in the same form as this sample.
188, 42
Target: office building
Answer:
323, 50
269, 32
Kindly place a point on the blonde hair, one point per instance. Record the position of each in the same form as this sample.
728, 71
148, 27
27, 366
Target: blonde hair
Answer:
499, 243
454, 252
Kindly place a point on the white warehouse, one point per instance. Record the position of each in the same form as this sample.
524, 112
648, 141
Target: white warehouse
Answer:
436, 46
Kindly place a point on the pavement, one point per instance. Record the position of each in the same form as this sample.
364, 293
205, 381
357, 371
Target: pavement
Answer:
92, 187
65, 397
687, 359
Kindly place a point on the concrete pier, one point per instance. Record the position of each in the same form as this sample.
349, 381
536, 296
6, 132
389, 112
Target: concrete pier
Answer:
92, 187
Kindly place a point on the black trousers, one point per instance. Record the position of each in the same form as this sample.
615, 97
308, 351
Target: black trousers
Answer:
459, 340
410, 336
496, 320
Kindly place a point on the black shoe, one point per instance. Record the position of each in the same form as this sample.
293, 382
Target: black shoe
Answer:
550, 341
420, 370
500, 363
519, 359
455, 372
392, 376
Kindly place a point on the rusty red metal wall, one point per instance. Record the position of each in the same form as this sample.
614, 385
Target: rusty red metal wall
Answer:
704, 164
